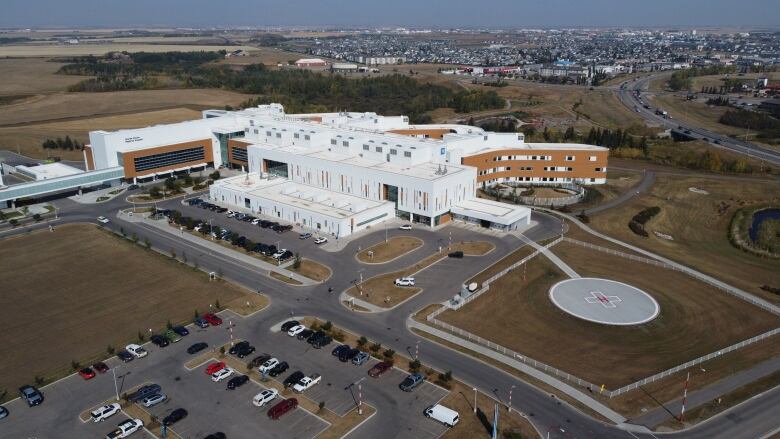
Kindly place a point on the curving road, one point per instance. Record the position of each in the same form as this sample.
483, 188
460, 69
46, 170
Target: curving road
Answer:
627, 93
750, 420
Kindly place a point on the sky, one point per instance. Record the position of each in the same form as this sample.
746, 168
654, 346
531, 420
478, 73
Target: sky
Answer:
373, 13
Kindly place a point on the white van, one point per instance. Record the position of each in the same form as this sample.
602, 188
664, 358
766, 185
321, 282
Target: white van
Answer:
442, 414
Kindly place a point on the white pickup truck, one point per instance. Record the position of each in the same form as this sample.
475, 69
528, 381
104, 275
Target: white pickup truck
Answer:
306, 383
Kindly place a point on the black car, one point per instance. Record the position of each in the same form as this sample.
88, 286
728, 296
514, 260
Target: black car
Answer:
258, 360
237, 347
217, 435
125, 356
197, 347
339, 349
237, 381
324, 341
348, 355
316, 336
293, 379
181, 330
457, 254
143, 392
245, 351
175, 416
279, 369
31, 395
264, 224
289, 324
305, 334
159, 340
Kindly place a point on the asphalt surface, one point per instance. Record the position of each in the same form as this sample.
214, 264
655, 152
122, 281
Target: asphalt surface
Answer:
627, 96
67, 398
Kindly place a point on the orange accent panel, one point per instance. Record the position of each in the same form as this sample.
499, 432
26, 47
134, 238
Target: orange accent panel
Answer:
238, 144
433, 133
582, 167
90, 158
129, 165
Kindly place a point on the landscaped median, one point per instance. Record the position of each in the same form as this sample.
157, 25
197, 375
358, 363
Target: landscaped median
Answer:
381, 290
389, 250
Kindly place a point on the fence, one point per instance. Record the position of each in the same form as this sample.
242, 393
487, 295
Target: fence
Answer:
694, 274
579, 194
572, 378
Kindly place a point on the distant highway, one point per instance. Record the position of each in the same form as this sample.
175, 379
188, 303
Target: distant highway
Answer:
627, 95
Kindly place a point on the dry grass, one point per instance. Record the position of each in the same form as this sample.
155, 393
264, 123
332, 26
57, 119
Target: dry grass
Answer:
381, 291
395, 247
618, 182
699, 225
696, 113
313, 270
42, 49
682, 331
54, 305
285, 278
31, 76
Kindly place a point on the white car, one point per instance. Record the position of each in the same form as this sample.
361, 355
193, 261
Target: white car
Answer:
102, 219
321, 240
230, 213
125, 429
306, 383
256, 221
405, 227
153, 400
221, 374
265, 397
295, 330
268, 365
136, 350
279, 253
105, 412
404, 282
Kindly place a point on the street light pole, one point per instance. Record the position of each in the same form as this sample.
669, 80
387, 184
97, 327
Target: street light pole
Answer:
475, 400
510, 397
116, 387
360, 398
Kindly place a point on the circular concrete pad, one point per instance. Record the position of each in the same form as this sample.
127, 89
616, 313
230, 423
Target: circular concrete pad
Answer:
604, 301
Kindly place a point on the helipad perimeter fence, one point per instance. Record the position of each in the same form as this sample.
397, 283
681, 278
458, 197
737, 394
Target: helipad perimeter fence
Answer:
568, 376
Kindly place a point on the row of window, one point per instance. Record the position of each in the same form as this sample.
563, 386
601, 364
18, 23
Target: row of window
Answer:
164, 159
568, 158
238, 154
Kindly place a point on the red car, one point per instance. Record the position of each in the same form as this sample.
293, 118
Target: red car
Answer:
87, 373
213, 368
281, 408
379, 369
213, 319
100, 367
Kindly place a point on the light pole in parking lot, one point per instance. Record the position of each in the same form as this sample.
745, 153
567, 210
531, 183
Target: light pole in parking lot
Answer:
510, 397
417, 350
116, 387
475, 400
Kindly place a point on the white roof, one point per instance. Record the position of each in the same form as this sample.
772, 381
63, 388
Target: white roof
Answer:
49, 170
493, 211
310, 61
300, 196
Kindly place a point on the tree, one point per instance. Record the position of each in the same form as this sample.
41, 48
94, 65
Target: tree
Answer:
215, 175
217, 305
134, 237
147, 243
415, 365
141, 336
297, 261
375, 347
75, 365
155, 192
389, 354
362, 341
110, 350
327, 326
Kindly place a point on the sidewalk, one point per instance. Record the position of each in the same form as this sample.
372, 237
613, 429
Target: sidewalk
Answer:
598, 407
710, 393
216, 248
549, 255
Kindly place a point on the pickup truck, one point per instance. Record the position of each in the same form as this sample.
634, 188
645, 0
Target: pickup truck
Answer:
306, 383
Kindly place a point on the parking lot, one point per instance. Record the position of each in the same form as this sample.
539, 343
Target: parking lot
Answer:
101, 429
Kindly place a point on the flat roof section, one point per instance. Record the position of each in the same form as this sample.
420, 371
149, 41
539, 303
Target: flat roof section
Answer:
493, 211
301, 196
47, 171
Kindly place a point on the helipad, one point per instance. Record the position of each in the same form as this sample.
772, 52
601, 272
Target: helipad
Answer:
604, 301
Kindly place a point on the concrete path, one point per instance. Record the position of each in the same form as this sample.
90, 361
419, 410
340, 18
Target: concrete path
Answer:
647, 181
344, 297
707, 394
598, 407
549, 255
265, 267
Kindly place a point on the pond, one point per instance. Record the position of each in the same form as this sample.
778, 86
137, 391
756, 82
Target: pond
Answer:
759, 217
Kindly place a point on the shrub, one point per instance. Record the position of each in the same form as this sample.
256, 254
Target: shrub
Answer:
322, 405
362, 341
75, 365
338, 336
375, 347
214, 175
217, 304
389, 354
327, 326
637, 228
141, 336
414, 365
169, 325
37, 217
316, 327
646, 214
110, 350
13, 222
39, 380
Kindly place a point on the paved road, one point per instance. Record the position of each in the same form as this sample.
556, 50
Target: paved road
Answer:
628, 97
648, 178
746, 421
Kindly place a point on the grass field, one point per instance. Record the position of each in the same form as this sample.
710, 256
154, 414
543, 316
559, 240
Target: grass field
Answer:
387, 251
42, 49
698, 223
31, 76
69, 313
313, 270
683, 330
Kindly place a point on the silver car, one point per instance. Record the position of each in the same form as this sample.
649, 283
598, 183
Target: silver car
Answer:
360, 358
153, 400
